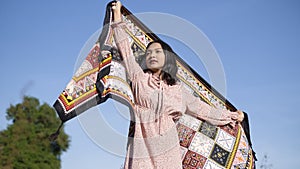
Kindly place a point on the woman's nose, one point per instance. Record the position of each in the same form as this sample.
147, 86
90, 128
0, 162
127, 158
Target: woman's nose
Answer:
152, 55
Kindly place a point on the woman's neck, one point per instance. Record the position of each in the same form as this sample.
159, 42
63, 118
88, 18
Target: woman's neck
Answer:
157, 74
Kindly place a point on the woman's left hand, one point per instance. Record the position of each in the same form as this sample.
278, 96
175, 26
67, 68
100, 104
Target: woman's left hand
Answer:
116, 7
240, 117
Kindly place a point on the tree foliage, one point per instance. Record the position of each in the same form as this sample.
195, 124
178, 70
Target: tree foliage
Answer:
25, 143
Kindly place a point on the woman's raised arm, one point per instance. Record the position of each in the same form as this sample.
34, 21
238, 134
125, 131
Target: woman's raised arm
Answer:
198, 108
121, 37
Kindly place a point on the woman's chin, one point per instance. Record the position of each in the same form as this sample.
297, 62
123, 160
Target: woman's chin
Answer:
154, 67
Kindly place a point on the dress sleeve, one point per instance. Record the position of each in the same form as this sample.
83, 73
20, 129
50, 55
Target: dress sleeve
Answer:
121, 37
198, 108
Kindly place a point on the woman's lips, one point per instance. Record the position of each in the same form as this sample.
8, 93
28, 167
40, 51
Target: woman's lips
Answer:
152, 61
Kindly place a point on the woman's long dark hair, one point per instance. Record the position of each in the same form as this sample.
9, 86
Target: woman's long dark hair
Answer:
169, 69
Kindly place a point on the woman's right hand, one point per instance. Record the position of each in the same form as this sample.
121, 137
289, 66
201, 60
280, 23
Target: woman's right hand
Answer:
116, 7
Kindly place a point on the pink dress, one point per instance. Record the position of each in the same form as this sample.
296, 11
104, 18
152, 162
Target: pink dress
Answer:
155, 144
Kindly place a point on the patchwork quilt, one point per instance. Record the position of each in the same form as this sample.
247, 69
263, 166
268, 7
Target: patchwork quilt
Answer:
102, 75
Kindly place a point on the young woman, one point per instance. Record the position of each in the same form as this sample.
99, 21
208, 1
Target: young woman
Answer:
160, 100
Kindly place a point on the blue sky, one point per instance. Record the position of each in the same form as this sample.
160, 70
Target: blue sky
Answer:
257, 41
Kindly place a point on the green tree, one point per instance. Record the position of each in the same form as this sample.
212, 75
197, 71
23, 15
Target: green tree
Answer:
25, 143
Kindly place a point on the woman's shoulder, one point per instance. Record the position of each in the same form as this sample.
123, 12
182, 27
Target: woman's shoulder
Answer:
182, 87
178, 85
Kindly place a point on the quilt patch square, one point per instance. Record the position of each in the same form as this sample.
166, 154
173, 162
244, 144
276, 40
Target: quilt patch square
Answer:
208, 130
193, 160
185, 135
243, 142
239, 159
201, 144
225, 140
230, 130
211, 165
190, 122
219, 155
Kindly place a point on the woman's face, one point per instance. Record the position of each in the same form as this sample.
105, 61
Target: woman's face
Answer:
155, 58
